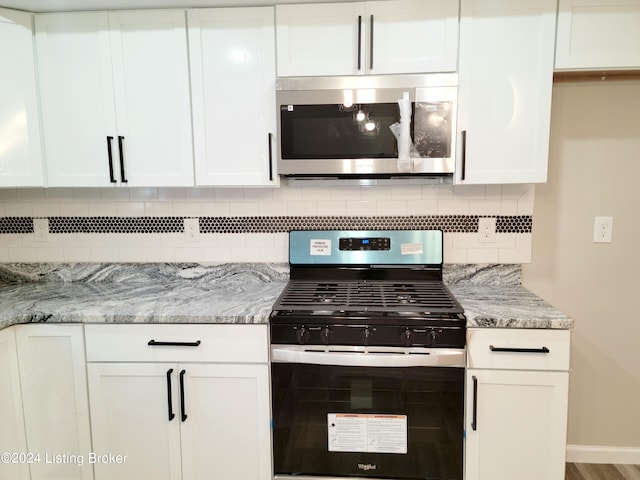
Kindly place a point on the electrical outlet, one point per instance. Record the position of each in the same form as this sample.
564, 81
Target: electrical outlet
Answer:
192, 229
602, 229
41, 229
487, 229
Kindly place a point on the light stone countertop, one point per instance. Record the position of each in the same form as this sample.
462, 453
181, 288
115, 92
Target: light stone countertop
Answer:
491, 295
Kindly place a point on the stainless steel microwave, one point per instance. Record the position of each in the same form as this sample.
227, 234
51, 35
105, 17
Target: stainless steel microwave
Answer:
347, 127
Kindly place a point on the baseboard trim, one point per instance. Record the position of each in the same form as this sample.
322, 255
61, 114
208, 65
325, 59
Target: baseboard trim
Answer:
603, 454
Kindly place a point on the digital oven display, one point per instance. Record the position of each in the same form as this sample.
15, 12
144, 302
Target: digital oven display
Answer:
348, 244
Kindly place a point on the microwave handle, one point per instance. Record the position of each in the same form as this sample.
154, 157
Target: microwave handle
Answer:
359, 42
371, 43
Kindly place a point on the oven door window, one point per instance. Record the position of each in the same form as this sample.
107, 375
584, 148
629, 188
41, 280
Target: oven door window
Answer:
421, 409
337, 132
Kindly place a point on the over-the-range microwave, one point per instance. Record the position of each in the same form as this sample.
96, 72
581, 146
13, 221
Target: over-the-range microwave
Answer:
347, 127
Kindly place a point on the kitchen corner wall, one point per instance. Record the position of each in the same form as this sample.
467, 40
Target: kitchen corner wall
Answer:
251, 224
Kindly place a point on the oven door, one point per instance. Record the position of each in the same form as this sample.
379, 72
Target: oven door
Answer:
375, 412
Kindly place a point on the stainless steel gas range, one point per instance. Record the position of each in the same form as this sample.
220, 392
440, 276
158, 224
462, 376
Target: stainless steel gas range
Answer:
367, 359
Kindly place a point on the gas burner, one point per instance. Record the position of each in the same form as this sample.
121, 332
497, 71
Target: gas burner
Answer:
323, 298
404, 298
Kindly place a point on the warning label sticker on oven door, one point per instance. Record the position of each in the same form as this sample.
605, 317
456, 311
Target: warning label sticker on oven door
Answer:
320, 247
367, 433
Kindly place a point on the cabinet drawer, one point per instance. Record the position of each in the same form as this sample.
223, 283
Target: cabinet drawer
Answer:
516, 349
195, 343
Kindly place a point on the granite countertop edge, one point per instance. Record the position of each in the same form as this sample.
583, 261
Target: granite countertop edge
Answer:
491, 295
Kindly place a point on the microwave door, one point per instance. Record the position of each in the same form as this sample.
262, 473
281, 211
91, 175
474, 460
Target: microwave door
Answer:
338, 139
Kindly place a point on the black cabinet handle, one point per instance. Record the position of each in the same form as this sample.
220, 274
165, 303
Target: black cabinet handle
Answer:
169, 401
474, 420
153, 343
121, 149
371, 43
269, 139
463, 173
359, 42
519, 350
112, 178
183, 413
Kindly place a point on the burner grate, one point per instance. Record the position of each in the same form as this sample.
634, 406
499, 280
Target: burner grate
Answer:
367, 296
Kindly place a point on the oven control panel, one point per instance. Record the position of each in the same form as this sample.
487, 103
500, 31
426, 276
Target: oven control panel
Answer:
371, 243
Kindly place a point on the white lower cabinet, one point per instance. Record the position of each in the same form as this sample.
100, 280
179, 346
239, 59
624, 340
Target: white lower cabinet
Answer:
201, 418
12, 434
54, 392
516, 404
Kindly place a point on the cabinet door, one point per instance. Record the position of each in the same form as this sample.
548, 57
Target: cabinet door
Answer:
412, 36
130, 406
321, 39
20, 149
76, 93
54, 392
516, 427
232, 53
151, 80
506, 75
12, 434
227, 430
598, 34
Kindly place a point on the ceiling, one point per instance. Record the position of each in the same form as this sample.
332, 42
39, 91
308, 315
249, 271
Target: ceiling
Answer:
68, 5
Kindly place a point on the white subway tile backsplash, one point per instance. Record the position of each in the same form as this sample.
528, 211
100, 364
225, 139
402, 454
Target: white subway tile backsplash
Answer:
484, 207
302, 208
269, 206
422, 207
229, 194
175, 194
361, 208
187, 209
130, 209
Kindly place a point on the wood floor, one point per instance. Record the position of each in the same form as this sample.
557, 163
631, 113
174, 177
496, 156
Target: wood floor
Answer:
588, 471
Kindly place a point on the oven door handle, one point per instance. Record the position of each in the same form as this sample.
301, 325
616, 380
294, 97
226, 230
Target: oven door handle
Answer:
369, 356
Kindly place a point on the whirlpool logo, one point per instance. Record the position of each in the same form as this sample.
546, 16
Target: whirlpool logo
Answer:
366, 467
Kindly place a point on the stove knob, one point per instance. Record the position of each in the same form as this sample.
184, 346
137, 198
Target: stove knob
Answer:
432, 337
325, 334
406, 337
301, 335
366, 336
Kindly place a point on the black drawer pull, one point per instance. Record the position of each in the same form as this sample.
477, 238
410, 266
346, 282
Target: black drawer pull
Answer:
153, 343
519, 350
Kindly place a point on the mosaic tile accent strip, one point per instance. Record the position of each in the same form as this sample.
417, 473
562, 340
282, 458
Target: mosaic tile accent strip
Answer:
281, 224
447, 223
16, 225
116, 225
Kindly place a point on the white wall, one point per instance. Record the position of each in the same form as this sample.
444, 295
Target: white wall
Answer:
594, 170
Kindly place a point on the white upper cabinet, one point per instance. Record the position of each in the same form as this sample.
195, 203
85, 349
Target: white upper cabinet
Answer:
598, 34
20, 148
505, 83
115, 98
380, 37
232, 57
